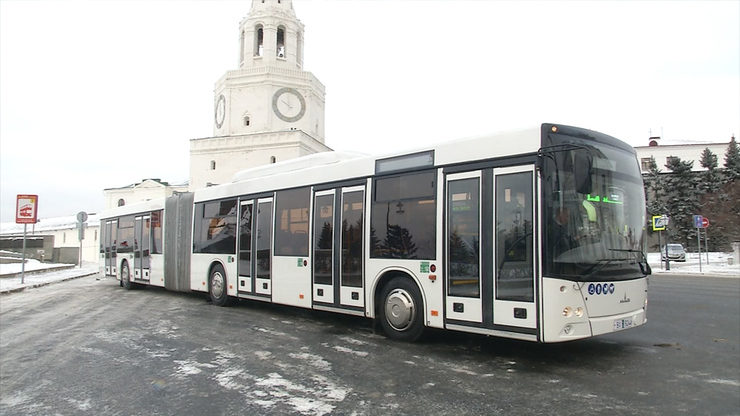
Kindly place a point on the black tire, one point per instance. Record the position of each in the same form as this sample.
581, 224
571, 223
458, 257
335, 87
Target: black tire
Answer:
126, 276
217, 286
401, 310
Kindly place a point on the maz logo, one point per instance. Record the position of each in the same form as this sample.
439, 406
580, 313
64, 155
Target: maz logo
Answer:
601, 289
625, 299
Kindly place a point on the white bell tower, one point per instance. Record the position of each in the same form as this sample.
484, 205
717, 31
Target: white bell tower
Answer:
269, 109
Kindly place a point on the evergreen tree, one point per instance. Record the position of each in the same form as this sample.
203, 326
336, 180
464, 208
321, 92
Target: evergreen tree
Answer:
682, 204
723, 211
732, 161
655, 189
710, 180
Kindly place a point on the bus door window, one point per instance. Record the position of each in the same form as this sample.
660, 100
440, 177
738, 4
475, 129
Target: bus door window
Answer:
514, 262
263, 266
351, 263
145, 246
323, 247
245, 246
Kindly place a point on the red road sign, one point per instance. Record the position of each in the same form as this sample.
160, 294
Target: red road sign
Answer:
704, 222
26, 208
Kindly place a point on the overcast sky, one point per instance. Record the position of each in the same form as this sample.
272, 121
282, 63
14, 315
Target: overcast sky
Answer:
101, 94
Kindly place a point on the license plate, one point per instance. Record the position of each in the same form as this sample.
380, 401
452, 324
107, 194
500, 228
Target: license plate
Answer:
622, 324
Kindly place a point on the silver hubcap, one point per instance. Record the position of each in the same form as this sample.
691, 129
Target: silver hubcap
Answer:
217, 285
400, 310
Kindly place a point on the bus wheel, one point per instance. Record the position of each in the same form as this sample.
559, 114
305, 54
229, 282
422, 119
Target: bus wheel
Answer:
126, 276
401, 313
217, 286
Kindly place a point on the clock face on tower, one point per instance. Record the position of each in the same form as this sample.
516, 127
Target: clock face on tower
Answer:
288, 104
220, 111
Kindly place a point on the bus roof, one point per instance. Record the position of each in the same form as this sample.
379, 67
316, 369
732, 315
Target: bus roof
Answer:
331, 167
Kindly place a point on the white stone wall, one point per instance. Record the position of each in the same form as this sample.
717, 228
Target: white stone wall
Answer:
144, 191
232, 154
684, 151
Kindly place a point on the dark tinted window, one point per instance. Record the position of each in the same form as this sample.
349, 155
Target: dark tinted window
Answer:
157, 232
215, 227
291, 231
125, 242
352, 203
403, 221
463, 204
514, 240
245, 241
323, 229
264, 234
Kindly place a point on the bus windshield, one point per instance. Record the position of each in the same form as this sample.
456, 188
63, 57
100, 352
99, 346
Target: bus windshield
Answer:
594, 210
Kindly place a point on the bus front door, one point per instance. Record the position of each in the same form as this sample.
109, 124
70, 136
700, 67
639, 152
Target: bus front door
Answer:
463, 303
514, 249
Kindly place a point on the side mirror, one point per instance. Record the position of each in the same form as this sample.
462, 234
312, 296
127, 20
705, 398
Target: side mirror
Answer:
582, 171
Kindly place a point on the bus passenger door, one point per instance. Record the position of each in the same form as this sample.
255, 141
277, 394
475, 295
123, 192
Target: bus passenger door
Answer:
245, 266
111, 235
338, 229
463, 248
514, 248
323, 243
141, 247
351, 267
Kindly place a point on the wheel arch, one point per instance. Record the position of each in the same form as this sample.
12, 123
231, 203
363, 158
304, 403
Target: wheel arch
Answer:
214, 263
388, 274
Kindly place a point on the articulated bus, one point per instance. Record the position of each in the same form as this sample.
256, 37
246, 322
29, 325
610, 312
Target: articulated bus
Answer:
534, 234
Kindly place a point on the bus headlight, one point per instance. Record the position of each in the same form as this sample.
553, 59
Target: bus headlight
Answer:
567, 311
579, 312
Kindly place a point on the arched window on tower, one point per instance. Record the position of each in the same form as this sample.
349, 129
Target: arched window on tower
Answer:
273, 159
241, 48
299, 50
121, 202
259, 40
213, 165
246, 120
281, 42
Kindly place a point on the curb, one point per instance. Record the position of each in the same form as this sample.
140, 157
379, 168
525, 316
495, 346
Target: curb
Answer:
38, 271
35, 285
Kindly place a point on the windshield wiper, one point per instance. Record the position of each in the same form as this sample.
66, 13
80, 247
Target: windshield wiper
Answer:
599, 266
641, 261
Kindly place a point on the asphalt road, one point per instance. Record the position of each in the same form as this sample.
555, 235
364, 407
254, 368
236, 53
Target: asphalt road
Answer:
89, 347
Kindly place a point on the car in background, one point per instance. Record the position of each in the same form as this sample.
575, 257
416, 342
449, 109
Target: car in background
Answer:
675, 252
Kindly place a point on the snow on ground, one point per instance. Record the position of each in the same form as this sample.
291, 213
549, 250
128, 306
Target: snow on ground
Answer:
31, 265
717, 264
37, 279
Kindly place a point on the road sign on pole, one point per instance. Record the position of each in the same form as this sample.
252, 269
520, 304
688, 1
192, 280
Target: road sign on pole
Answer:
659, 222
26, 208
698, 220
81, 218
704, 222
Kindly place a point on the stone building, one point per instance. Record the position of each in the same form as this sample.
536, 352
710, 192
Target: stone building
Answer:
663, 151
269, 109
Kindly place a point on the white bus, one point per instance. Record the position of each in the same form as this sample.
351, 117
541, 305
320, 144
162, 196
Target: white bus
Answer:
534, 235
